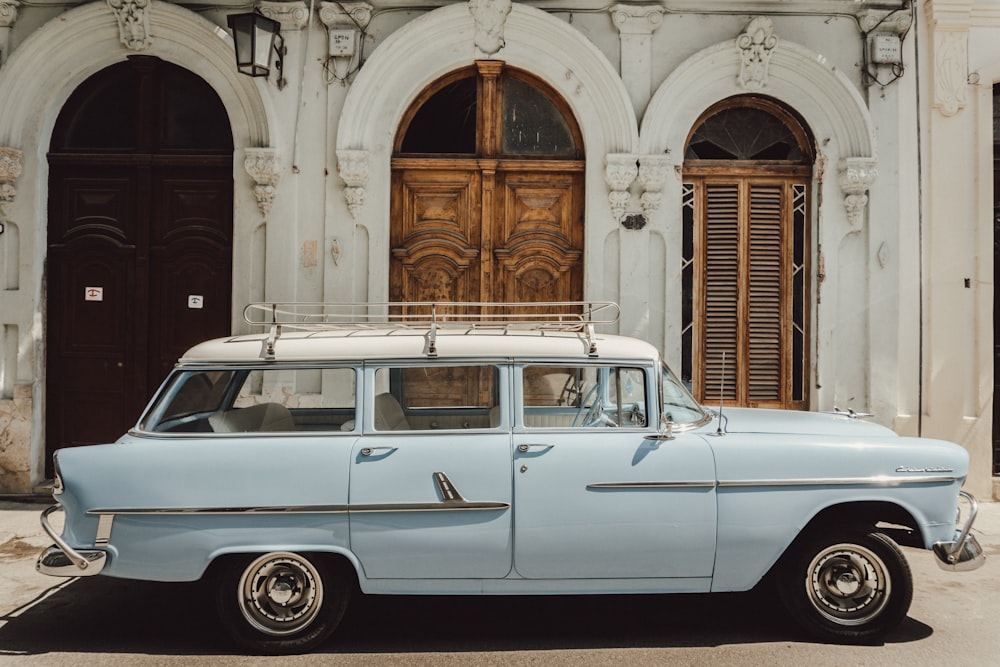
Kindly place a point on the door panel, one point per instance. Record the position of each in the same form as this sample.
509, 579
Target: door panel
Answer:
436, 236
567, 528
438, 541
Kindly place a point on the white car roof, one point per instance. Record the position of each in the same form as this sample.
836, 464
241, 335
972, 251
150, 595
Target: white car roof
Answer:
410, 343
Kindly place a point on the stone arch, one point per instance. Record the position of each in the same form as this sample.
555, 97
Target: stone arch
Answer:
442, 41
831, 106
89, 35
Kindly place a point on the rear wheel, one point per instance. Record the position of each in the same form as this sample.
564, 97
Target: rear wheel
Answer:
848, 585
281, 602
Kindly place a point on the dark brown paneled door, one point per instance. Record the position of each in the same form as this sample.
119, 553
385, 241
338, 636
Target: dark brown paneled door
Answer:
487, 192
140, 243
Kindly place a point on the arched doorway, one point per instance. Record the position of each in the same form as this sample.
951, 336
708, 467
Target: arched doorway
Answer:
487, 192
139, 242
746, 251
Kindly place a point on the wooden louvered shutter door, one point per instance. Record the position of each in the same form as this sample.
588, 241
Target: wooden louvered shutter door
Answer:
721, 296
764, 356
750, 291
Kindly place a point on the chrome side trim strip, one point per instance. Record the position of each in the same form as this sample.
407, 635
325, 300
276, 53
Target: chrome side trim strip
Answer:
877, 481
652, 485
181, 511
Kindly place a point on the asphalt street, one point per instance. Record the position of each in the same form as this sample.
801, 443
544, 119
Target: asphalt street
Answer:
954, 619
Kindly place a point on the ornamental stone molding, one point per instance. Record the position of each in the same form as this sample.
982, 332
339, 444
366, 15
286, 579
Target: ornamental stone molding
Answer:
637, 19
653, 170
951, 70
133, 23
620, 170
756, 45
490, 17
352, 166
345, 14
10, 171
263, 166
291, 15
856, 177
879, 20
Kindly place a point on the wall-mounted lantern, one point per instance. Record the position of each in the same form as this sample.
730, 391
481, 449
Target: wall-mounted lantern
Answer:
258, 40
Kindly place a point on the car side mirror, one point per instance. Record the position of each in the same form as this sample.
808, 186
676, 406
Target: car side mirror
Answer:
666, 428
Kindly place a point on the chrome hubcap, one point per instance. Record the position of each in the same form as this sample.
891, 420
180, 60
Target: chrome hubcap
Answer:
280, 594
848, 584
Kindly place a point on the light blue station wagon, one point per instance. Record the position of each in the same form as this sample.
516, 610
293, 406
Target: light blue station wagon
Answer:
445, 449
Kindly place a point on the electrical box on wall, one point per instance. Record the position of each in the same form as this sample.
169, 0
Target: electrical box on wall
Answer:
342, 43
886, 49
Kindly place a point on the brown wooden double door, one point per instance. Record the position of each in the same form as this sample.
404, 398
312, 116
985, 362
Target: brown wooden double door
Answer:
486, 230
138, 270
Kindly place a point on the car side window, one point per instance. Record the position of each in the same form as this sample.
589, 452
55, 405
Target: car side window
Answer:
255, 401
584, 396
434, 397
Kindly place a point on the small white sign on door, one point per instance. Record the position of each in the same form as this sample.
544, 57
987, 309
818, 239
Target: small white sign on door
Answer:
93, 294
196, 301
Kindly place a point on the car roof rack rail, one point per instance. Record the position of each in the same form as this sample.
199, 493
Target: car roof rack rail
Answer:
430, 316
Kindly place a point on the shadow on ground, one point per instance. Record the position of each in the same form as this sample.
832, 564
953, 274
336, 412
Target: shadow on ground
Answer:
104, 615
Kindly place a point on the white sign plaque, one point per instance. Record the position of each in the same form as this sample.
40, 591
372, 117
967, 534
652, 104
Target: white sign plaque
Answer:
93, 294
196, 301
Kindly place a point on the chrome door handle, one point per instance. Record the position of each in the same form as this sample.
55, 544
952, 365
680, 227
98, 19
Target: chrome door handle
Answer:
527, 447
370, 451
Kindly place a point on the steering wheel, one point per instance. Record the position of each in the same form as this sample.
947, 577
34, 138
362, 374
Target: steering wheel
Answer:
594, 415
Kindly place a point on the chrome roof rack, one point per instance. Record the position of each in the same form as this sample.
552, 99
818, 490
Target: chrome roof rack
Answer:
579, 316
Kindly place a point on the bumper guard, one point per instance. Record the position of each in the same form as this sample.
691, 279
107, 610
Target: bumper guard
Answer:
62, 560
963, 553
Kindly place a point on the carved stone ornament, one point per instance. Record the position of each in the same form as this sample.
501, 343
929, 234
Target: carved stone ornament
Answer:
756, 45
856, 177
8, 12
490, 17
352, 166
133, 23
951, 70
620, 170
10, 171
263, 166
345, 14
291, 15
653, 170
637, 19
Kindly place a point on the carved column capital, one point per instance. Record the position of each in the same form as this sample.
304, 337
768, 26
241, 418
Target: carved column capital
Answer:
291, 15
637, 19
264, 167
891, 21
756, 44
620, 170
856, 177
345, 14
653, 170
352, 166
490, 17
133, 23
949, 23
10, 171
8, 12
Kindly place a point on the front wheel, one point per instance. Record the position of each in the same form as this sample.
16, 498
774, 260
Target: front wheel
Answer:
280, 603
848, 586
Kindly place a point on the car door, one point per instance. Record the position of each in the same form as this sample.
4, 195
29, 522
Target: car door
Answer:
598, 496
430, 489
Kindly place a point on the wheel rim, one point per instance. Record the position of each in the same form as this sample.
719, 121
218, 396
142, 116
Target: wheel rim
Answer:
280, 594
848, 584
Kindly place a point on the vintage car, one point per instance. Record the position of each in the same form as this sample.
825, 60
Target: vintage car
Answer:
492, 450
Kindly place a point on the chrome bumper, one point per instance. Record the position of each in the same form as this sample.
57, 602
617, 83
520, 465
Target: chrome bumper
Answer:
963, 553
62, 560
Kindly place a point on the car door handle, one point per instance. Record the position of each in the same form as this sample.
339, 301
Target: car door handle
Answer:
372, 451
527, 447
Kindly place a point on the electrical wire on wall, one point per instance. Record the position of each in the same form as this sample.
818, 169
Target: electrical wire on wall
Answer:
870, 76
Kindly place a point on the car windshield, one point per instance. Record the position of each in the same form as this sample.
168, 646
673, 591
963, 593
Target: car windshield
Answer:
679, 406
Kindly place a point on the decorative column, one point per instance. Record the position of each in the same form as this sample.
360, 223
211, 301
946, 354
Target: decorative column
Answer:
856, 177
344, 22
352, 165
263, 166
636, 24
8, 15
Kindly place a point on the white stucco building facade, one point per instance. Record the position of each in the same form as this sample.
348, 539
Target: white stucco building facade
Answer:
898, 212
